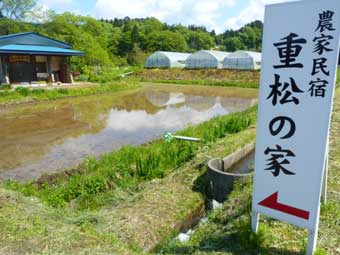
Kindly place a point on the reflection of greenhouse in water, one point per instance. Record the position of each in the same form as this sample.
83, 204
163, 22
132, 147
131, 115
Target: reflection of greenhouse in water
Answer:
236, 104
159, 99
162, 99
200, 103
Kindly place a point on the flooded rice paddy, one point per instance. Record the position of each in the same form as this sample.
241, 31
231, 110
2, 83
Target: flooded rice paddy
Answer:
49, 136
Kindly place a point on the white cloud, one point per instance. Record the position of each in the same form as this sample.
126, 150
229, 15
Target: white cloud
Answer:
52, 4
254, 11
199, 12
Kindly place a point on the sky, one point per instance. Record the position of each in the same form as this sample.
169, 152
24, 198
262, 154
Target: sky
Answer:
214, 14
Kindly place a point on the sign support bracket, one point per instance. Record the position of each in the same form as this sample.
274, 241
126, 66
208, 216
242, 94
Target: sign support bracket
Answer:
325, 177
312, 241
255, 217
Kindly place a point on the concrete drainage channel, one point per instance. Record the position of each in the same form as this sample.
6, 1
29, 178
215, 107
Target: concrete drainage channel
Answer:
221, 174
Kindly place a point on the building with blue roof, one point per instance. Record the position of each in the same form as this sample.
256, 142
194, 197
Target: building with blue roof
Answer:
31, 57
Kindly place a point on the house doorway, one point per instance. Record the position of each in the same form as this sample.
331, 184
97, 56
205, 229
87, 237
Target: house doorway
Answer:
21, 72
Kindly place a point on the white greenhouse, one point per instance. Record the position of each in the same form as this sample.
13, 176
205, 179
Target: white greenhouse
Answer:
206, 59
243, 60
165, 59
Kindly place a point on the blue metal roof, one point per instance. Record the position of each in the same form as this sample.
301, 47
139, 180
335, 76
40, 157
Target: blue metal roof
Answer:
6, 37
38, 50
14, 35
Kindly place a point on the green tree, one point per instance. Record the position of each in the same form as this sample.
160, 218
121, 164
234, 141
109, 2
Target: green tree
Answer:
125, 44
17, 9
248, 37
165, 41
233, 44
134, 34
151, 25
113, 41
1, 16
78, 32
136, 57
99, 30
200, 40
8, 26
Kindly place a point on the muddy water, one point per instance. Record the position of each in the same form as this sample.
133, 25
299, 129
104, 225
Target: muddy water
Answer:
51, 136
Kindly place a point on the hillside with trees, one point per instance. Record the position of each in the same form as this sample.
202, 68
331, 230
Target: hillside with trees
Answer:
120, 42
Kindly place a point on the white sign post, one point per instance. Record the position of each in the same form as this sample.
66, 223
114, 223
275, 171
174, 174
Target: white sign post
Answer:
300, 54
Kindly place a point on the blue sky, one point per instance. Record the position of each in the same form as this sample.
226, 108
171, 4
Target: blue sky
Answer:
214, 14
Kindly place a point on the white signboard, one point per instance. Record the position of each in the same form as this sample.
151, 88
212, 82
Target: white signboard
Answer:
300, 54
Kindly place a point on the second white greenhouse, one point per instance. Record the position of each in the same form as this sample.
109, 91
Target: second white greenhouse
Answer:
206, 59
243, 60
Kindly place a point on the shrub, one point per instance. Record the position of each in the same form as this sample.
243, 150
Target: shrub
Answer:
23, 91
38, 91
63, 91
5, 86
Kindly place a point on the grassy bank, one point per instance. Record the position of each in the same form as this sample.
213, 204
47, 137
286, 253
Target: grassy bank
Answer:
212, 77
105, 74
92, 183
225, 78
228, 230
166, 206
155, 211
22, 94
30, 227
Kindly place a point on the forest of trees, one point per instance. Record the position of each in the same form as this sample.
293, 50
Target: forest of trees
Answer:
119, 42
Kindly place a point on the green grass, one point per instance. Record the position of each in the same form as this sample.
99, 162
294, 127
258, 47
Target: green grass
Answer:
228, 231
130, 166
164, 206
338, 76
105, 74
26, 94
211, 83
29, 227
5, 87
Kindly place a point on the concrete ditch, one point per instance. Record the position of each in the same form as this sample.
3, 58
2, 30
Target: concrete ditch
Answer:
221, 173
220, 176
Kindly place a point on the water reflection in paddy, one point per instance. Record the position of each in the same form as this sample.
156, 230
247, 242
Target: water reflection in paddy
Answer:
51, 136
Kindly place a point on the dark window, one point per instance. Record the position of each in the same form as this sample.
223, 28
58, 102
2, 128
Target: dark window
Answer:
41, 67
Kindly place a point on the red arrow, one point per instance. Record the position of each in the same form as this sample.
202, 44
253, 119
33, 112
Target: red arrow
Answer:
272, 203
